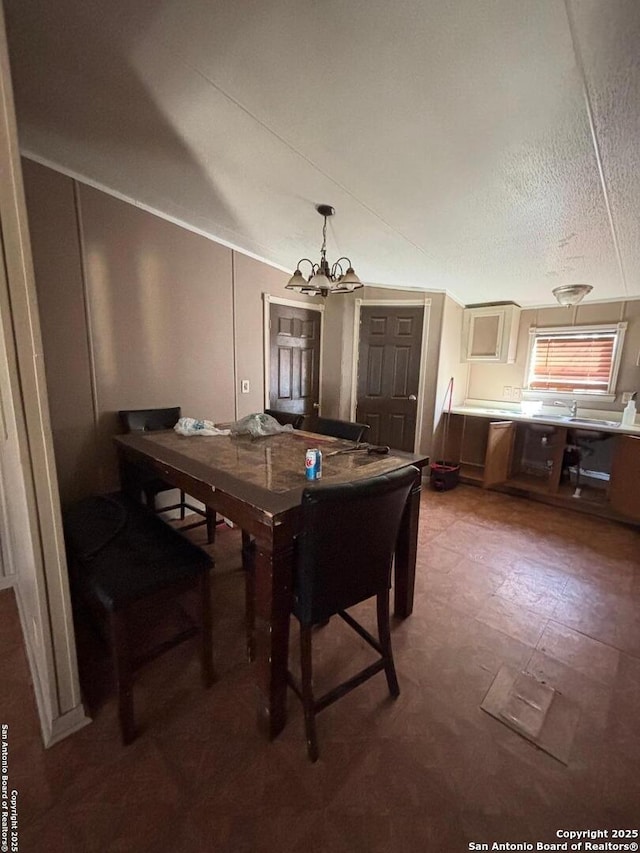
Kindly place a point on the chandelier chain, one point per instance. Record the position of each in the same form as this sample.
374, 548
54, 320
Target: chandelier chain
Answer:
323, 250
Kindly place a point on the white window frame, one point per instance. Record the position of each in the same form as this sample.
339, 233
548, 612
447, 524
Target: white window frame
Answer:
607, 396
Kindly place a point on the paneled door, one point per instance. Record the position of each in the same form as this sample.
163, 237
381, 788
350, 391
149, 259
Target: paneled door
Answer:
294, 359
389, 373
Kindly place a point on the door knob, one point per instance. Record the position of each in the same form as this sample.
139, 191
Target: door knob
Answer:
316, 405
413, 398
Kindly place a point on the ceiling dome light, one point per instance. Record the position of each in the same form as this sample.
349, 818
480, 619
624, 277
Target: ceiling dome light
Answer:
571, 294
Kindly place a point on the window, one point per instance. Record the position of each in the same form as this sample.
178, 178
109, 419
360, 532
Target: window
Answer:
575, 360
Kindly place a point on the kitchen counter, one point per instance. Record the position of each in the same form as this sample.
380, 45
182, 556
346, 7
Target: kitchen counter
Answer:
610, 423
502, 448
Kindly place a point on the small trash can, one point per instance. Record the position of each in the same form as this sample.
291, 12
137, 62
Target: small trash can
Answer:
444, 476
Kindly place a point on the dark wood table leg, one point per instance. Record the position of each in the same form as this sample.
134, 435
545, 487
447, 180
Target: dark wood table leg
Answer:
406, 551
273, 582
248, 565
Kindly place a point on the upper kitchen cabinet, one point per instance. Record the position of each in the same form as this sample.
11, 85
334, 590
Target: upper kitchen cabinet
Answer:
490, 332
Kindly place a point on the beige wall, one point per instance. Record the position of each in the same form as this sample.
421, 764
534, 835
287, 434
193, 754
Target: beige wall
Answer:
487, 381
449, 366
137, 312
58, 269
159, 303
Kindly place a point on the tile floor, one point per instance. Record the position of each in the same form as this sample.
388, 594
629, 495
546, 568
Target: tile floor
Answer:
500, 581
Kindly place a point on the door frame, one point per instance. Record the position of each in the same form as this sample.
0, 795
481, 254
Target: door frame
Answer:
268, 301
34, 536
391, 303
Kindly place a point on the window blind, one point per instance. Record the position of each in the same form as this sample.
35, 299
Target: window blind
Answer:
573, 362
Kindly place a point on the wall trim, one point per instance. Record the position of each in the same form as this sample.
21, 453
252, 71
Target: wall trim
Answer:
66, 725
7, 567
53, 728
268, 300
39, 557
406, 303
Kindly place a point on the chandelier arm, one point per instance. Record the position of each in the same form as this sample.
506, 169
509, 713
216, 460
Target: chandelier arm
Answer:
310, 262
338, 266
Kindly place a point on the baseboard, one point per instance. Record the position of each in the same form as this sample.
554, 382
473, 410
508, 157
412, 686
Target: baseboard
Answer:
53, 728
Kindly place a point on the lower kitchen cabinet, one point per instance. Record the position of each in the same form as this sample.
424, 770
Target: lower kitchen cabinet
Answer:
593, 471
624, 488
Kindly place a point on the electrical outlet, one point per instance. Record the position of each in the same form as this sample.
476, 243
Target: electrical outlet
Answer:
626, 396
516, 394
506, 392
244, 386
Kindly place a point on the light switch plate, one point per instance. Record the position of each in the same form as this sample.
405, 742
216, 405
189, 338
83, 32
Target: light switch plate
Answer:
244, 386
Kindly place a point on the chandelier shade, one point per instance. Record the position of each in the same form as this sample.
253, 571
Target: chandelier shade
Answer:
324, 279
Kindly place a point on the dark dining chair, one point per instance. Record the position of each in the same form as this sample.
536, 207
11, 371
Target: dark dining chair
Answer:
283, 418
343, 556
349, 430
125, 564
150, 420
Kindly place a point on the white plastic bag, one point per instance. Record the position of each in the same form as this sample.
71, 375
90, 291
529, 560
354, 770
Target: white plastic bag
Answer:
258, 425
194, 426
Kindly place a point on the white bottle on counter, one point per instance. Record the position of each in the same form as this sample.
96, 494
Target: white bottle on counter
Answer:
629, 414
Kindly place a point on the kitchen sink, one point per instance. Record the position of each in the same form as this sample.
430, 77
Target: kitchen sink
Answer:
551, 417
593, 422
567, 419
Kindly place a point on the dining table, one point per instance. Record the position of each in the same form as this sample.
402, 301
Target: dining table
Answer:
257, 484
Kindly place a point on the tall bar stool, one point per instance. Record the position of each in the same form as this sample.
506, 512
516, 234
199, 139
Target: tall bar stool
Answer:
343, 556
283, 418
150, 420
349, 430
122, 558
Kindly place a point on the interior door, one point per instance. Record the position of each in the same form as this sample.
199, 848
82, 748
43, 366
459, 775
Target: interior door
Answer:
624, 494
294, 381
389, 373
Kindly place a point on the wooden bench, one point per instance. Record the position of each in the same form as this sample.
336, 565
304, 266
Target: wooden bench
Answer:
120, 555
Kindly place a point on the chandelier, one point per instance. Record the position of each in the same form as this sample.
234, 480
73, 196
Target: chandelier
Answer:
323, 279
571, 294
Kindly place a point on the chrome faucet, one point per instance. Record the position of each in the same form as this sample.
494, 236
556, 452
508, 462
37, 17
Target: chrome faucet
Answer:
572, 406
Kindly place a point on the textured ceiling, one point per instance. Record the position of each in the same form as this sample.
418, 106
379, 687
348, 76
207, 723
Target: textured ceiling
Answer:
484, 147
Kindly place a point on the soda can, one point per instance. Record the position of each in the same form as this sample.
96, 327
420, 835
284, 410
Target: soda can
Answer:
313, 464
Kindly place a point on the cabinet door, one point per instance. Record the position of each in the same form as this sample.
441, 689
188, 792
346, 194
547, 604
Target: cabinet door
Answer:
624, 486
499, 451
490, 333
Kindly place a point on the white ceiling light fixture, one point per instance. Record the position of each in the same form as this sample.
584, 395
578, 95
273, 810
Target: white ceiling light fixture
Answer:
323, 279
571, 294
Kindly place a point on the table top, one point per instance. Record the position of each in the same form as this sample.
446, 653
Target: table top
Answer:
267, 472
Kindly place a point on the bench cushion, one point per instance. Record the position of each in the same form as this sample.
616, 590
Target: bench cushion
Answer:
122, 552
